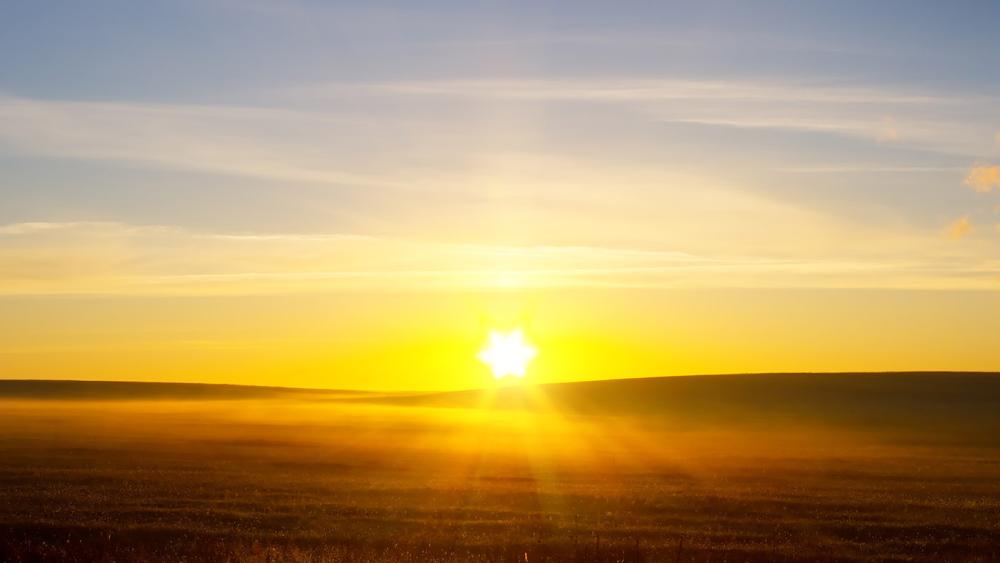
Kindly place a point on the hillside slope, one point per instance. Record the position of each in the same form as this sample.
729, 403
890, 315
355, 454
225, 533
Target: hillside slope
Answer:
952, 405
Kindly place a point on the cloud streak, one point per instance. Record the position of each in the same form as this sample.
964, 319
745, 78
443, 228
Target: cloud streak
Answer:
113, 258
614, 89
269, 143
925, 120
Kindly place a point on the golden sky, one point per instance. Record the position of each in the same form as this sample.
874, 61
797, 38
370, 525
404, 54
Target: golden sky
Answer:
429, 339
354, 196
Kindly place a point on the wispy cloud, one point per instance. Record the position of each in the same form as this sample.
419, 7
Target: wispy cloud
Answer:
617, 89
868, 169
875, 114
269, 143
700, 40
417, 177
112, 258
32, 228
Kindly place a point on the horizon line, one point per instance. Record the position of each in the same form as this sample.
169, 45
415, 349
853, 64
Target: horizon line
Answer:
484, 388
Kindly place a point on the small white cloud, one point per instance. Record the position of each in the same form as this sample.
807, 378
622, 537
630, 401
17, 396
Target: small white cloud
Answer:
983, 177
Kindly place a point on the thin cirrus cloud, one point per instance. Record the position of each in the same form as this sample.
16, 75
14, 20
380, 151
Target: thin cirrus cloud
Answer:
923, 120
277, 144
442, 174
413, 169
114, 258
326, 146
624, 89
322, 146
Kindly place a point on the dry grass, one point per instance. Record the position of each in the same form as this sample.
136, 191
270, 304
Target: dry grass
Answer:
358, 479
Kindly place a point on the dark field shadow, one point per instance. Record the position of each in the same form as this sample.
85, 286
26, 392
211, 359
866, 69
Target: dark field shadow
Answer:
724, 468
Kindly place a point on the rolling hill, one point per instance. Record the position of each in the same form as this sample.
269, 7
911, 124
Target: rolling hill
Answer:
949, 405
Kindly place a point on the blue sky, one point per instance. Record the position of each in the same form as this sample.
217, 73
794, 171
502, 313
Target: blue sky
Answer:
850, 127
202, 50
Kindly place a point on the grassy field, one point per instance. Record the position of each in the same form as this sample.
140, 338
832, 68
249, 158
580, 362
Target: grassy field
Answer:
894, 467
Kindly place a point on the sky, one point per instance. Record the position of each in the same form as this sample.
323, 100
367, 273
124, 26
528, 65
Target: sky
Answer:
353, 195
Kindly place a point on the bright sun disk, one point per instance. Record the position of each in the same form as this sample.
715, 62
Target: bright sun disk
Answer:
507, 354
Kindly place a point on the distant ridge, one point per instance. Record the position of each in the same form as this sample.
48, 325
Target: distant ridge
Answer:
953, 407
604, 391
759, 389
151, 390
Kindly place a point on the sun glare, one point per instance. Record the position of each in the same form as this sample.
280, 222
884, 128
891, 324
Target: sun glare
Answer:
507, 354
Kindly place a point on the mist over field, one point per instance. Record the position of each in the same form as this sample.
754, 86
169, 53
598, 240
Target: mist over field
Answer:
865, 467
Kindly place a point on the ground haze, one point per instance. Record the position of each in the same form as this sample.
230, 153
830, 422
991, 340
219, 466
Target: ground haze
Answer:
824, 467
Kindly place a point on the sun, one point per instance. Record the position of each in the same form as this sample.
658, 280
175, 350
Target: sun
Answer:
507, 354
